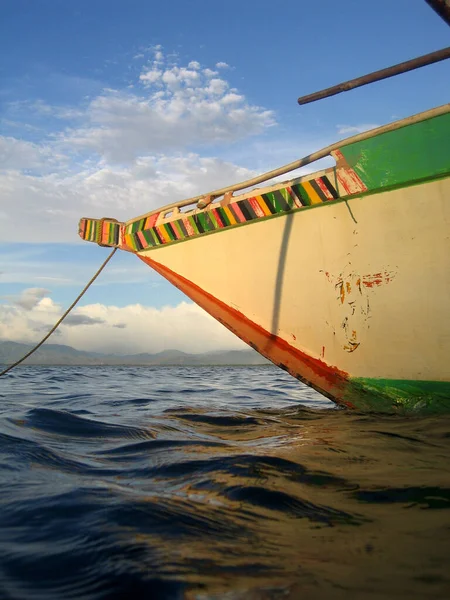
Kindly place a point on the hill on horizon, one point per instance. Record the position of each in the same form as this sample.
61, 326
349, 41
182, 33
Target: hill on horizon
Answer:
58, 354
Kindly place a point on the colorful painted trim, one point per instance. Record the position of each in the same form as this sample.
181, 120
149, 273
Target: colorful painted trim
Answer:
103, 231
144, 234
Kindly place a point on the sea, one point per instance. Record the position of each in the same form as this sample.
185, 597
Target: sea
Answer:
208, 483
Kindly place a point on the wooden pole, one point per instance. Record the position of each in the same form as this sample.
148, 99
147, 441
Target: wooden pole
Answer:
409, 65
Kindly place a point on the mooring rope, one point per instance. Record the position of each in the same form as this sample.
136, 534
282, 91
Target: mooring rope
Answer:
61, 319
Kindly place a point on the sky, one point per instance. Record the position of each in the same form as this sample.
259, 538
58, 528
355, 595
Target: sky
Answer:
113, 108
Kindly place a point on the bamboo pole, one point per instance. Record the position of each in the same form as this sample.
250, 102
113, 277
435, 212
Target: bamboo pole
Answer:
404, 67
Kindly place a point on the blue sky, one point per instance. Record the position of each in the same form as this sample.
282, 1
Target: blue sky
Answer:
98, 118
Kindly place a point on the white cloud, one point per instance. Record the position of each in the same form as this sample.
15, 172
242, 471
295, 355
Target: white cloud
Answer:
210, 72
354, 129
151, 76
181, 107
19, 154
47, 208
131, 153
126, 330
222, 65
31, 297
41, 109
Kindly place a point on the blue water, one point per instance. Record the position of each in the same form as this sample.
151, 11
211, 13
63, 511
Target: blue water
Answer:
211, 483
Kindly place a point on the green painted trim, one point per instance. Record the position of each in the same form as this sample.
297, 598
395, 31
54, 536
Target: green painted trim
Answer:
399, 395
295, 210
419, 151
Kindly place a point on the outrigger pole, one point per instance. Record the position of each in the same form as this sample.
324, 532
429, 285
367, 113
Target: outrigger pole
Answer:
409, 65
442, 8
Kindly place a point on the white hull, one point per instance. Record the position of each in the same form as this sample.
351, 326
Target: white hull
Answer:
361, 285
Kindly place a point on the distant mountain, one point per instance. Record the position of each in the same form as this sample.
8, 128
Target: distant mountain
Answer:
57, 354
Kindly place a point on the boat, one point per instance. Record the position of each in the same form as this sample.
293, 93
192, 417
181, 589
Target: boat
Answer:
341, 277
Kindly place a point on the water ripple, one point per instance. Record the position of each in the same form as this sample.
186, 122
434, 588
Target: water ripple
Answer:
214, 483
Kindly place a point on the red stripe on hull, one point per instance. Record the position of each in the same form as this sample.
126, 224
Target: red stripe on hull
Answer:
326, 379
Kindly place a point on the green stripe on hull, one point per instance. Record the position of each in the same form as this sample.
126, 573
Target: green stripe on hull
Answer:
399, 395
413, 153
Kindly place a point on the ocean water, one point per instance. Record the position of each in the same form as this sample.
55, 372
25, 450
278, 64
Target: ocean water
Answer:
211, 483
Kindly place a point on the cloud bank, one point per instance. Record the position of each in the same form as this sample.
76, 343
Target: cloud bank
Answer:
104, 328
124, 152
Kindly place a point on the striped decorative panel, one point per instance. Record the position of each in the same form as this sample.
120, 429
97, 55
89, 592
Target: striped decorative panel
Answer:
104, 232
144, 233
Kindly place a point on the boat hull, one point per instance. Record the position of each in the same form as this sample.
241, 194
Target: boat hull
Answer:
350, 296
340, 277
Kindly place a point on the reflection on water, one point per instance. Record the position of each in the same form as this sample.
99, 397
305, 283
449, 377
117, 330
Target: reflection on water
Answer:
210, 483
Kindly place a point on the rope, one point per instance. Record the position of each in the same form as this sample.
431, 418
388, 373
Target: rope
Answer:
61, 319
